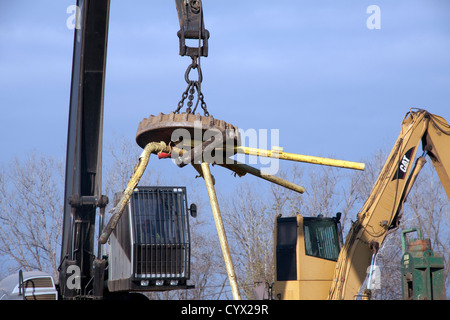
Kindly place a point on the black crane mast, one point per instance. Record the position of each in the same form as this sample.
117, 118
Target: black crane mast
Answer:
83, 181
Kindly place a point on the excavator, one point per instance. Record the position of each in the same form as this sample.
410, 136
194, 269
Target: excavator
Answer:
312, 261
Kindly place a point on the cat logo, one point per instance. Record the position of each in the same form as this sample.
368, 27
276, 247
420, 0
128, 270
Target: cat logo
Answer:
404, 164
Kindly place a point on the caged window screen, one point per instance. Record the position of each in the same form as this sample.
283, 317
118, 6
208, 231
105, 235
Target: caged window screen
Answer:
321, 238
161, 233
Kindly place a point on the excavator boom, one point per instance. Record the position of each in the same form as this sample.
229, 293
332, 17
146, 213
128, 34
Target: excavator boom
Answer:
304, 271
382, 210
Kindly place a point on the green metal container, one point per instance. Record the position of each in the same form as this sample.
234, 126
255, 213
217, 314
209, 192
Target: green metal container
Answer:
422, 270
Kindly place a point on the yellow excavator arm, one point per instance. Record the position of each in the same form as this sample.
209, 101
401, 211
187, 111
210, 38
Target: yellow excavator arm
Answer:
383, 208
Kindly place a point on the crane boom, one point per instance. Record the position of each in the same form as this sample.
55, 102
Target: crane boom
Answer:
382, 210
84, 145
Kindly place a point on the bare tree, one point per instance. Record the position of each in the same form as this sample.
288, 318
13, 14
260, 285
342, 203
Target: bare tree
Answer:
31, 213
249, 224
121, 156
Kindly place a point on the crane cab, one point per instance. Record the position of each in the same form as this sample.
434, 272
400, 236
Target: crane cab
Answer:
150, 247
306, 251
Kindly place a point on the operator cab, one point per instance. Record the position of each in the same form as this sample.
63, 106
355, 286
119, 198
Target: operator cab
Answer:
150, 247
306, 251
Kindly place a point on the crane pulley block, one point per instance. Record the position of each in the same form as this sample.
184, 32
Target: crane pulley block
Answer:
192, 26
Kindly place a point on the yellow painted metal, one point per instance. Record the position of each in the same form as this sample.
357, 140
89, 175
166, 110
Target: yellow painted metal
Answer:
280, 154
437, 139
198, 168
152, 147
383, 207
314, 275
243, 168
220, 230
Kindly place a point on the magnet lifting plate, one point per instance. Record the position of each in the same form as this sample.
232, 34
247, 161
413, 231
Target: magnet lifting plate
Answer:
163, 127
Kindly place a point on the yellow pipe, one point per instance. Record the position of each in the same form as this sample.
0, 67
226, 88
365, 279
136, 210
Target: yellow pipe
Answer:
152, 147
279, 154
220, 230
198, 168
241, 169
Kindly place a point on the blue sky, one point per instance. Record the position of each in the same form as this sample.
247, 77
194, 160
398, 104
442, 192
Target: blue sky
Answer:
311, 69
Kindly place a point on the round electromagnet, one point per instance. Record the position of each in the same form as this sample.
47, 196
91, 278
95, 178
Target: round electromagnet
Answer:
186, 128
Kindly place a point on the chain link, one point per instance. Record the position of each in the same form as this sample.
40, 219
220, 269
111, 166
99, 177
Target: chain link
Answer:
194, 86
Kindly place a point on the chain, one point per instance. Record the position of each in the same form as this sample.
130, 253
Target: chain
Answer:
194, 86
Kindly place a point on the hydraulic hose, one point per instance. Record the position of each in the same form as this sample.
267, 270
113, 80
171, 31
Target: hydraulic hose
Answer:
152, 147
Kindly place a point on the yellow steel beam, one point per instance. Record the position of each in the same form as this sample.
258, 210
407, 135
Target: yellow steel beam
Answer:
220, 230
241, 169
280, 154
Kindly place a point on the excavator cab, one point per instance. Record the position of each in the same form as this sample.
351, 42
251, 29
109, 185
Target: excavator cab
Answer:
150, 247
306, 251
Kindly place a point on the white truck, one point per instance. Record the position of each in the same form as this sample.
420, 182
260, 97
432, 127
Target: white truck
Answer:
31, 285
